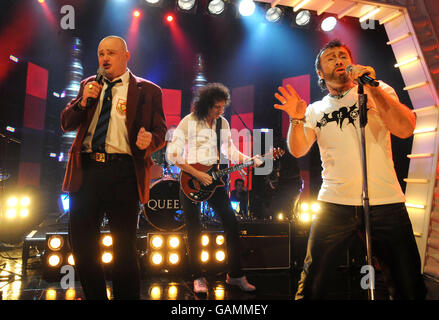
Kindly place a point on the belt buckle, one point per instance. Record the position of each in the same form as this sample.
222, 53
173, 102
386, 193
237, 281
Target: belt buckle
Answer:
100, 157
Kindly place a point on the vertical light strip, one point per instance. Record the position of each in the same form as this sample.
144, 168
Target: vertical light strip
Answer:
404, 36
420, 155
325, 7
406, 61
370, 14
416, 85
347, 10
425, 130
300, 5
391, 17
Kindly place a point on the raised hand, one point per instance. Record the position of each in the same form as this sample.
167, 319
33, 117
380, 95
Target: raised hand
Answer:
291, 102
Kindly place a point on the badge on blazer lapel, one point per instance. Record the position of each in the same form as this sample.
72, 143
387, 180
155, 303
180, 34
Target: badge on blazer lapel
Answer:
121, 106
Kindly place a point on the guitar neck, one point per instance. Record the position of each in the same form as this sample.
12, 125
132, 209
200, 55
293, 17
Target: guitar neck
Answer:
227, 171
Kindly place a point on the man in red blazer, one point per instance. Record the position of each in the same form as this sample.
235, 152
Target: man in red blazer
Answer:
108, 167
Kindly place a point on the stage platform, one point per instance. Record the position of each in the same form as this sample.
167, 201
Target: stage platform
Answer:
22, 264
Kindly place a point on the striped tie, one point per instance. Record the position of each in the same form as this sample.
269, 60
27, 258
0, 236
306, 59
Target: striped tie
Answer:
98, 142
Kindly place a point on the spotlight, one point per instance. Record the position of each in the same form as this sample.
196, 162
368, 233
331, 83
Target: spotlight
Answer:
216, 7
315, 207
157, 242
24, 213
303, 18
156, 258
54, 260
328, 24
219, 240
51, 293
305, 217
153, 2
304, 206
273, 14
172, 292
12, 202
246, 8
173, 258
70, 294
174, 242
186, 5
136, 13
204, 240
280, 216
204, 256
155, 293
107, 241
107, 257
169, 18
220, 255
11, 213
55, 242
71, 260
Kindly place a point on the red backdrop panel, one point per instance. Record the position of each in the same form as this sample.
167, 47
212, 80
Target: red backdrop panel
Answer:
172, 106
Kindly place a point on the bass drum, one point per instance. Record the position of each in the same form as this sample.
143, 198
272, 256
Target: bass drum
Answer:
163, 210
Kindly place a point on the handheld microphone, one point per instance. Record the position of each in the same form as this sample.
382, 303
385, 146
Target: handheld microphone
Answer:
364, 79
99, 79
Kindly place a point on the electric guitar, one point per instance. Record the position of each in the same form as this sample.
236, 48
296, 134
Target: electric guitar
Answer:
194, 190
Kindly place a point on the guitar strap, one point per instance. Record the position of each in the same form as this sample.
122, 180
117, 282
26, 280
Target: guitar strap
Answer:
218, 138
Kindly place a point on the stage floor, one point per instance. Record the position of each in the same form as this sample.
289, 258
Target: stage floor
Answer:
271, 284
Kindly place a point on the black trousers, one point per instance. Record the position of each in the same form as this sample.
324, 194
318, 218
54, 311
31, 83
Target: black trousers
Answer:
393, 245
106, 188
220, 203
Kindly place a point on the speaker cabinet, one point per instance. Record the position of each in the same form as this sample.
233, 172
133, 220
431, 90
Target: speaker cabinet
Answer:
265, 245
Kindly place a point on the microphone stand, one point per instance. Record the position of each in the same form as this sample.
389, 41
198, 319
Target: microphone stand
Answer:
362, 104
248, 168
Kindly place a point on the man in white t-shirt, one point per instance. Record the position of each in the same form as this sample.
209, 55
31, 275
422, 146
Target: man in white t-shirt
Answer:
334, 123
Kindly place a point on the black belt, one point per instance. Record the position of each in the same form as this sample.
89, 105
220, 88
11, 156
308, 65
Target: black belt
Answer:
106, 157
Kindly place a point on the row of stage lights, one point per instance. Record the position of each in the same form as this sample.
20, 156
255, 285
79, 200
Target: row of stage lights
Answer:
164, 251
246, 8
17, 207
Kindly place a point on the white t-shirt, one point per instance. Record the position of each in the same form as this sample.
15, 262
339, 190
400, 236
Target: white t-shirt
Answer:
196, 142
337, 127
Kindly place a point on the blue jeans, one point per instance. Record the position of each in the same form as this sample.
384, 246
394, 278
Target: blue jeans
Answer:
393, 246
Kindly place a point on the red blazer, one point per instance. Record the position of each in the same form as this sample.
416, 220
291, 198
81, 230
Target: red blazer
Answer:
144, 109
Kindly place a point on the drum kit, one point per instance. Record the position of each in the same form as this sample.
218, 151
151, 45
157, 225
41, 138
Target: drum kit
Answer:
163, 210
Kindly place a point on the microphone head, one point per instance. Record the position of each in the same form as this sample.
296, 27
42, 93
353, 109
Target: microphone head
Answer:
349, 68
100, 75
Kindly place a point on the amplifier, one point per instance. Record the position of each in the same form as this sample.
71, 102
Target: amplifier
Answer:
265, 245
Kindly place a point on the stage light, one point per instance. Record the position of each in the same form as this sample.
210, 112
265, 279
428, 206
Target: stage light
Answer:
70, 294
305, 217
304, 206
315, 207
10, 129
157, 258
152, 1
51, 293
24, 213
25, 201
13, 58
172, 292
204, 256
107, 240
107, 257
370, 14
52, 155
71, 260
235, 205
246, 8
186, 5
303, 18
11, 213
174, 242
41, 1
157, 241
216, 7
55, 242
173, 258
12, 202
136, 13
220, 240
204, 240
54, 260
280, 216
220, 255
328, 24
169, 18
219, 293
65, 201
155, 292
407, 61
273, 15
